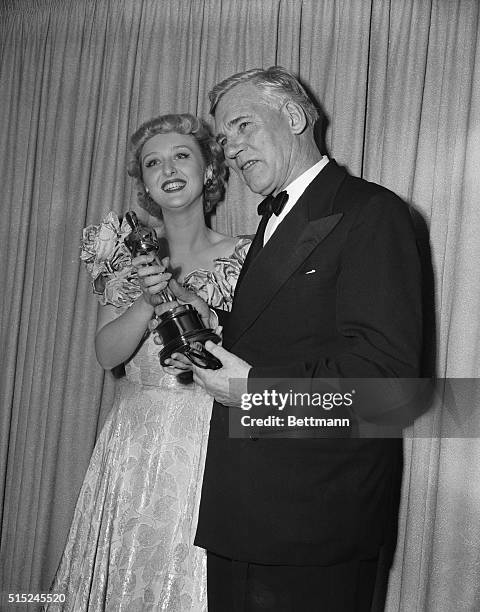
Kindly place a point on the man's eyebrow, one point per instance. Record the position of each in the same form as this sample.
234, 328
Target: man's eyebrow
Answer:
236, 120
232, 123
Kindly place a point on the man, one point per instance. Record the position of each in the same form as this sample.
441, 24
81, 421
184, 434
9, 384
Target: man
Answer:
330, 288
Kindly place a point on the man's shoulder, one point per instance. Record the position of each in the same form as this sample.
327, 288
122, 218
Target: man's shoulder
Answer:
364, 188
357, 195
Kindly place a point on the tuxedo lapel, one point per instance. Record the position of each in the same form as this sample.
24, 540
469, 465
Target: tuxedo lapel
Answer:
305, 226
254, 249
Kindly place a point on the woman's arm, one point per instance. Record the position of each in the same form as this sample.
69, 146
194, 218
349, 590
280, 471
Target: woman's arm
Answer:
118, 336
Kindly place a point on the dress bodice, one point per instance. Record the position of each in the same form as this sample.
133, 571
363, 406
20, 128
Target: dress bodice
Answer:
216, 287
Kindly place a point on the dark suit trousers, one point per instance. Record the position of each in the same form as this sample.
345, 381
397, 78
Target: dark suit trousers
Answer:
235, 586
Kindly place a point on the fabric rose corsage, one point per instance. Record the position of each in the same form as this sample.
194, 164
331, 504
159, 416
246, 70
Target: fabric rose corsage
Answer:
218, 285
109, 262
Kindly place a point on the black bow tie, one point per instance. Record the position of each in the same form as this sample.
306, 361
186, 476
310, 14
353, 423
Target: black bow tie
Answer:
273, 204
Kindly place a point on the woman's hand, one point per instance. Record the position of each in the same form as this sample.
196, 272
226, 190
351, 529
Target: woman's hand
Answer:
152, 276
185, 296
179, 363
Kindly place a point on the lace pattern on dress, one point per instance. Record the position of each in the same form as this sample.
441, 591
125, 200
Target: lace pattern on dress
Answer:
130, 546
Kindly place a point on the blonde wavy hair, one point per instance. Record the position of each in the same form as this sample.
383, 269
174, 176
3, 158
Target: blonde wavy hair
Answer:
189, 125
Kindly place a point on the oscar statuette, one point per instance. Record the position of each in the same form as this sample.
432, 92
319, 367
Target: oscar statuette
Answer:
180, 329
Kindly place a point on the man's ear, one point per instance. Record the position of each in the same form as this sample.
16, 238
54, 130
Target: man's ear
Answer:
296, 117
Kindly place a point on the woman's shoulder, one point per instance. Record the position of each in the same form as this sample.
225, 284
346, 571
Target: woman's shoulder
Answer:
222, 245
242, 245
227, 247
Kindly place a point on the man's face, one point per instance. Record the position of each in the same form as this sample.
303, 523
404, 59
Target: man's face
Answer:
256, 138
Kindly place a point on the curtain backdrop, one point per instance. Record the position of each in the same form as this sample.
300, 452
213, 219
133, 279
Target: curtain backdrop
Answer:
399, 82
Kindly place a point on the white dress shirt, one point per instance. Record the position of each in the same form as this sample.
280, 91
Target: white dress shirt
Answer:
294, 190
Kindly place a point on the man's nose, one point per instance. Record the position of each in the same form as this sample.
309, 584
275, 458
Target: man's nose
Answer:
232, 148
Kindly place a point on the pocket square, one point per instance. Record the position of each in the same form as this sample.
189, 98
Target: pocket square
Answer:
312, 271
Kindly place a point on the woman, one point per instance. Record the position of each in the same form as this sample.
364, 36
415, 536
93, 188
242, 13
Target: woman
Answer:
130, 546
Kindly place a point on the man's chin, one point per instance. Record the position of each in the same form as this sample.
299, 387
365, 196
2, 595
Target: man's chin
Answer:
251, 180
256, 188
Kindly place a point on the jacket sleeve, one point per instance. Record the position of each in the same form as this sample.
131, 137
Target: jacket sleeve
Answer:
222, 316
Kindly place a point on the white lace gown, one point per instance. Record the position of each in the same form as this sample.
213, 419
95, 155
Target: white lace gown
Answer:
130, 546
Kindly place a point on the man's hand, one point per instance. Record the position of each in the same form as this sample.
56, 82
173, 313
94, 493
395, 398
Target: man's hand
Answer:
218, 382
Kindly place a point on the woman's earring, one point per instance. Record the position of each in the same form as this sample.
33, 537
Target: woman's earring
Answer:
208, 177
147, 190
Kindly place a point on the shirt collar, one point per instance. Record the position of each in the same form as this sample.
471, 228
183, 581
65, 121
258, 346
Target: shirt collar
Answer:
295, 189
298, 186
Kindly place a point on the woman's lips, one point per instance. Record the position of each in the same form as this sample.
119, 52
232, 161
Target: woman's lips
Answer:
173, 185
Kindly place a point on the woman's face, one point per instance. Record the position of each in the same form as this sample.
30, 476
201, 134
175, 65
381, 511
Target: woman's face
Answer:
173, 170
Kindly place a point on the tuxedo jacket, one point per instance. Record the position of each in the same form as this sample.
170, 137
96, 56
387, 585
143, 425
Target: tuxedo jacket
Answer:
335, 292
